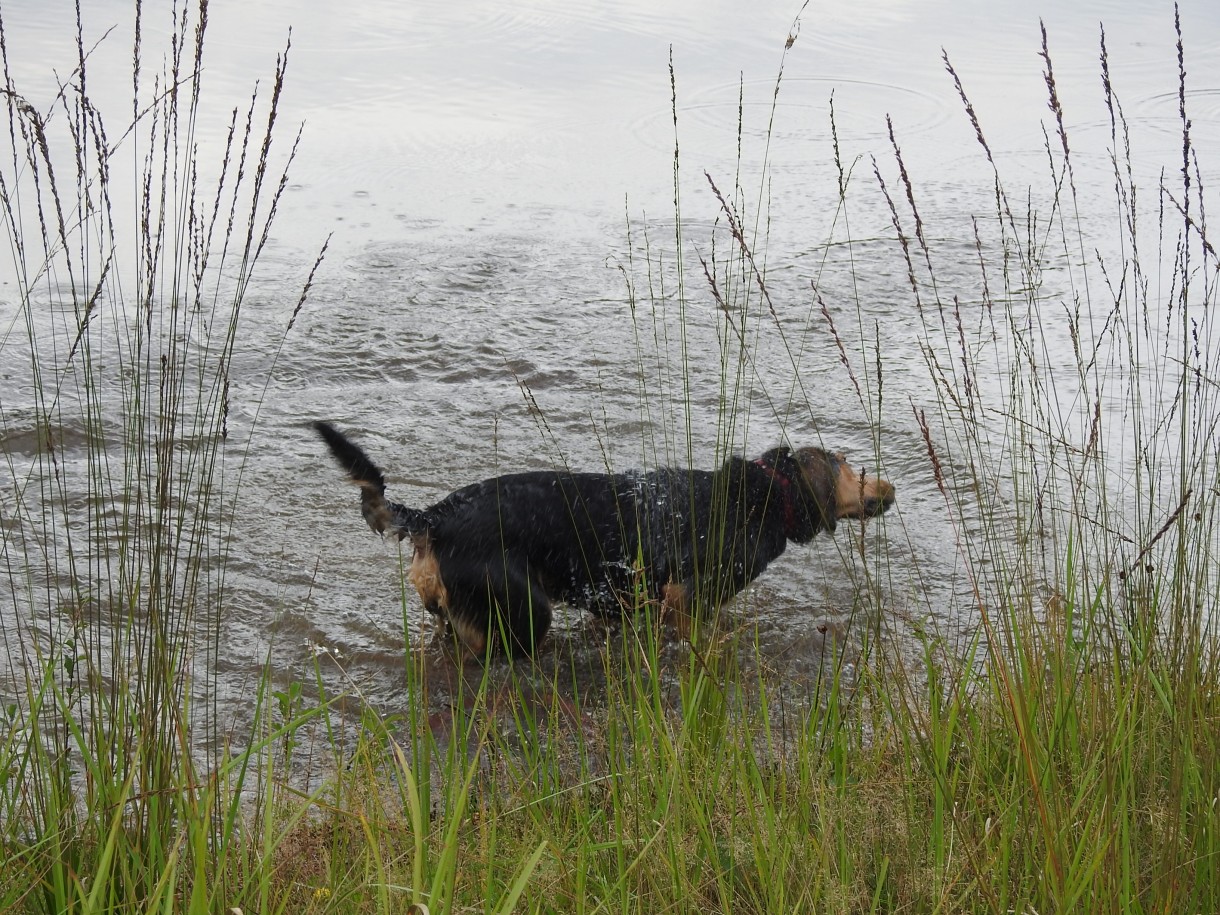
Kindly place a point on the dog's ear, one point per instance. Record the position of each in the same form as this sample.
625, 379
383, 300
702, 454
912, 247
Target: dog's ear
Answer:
819, 473
778, 458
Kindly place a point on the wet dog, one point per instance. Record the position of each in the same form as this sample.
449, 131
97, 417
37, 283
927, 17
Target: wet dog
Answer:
492, 557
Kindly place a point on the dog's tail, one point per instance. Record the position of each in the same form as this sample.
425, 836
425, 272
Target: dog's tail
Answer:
381, 514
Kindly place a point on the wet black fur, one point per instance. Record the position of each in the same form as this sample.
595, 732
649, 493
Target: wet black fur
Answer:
509, 547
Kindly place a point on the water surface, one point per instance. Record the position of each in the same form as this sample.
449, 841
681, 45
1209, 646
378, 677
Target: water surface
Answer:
497, 179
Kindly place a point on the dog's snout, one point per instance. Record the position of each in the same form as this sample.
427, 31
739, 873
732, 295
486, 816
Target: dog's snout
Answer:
880, 499
885, 492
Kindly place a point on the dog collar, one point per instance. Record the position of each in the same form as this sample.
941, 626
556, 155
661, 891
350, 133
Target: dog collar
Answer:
785, 488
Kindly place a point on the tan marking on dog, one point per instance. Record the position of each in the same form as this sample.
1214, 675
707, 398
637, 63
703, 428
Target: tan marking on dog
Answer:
857, 497
471, 635
374, 508
425, 574
675, 609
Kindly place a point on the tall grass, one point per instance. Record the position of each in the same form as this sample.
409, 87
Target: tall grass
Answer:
1060, 756
1082, 492
132, 244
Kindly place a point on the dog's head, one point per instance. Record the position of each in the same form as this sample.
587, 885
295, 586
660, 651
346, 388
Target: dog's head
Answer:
830, 489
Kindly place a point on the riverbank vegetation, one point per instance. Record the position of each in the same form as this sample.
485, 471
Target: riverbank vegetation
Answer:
1058, 751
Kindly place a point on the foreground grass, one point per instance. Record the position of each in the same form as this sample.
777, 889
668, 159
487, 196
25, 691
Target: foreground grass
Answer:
1064, 758
1073, 783
1074, 778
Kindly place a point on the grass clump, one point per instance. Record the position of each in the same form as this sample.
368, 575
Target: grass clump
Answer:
1047, 744
131, 250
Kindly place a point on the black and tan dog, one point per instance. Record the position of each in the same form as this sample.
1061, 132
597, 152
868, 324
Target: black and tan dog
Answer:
492, 557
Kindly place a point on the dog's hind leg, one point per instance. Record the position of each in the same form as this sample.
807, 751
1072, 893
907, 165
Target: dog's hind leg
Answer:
499, 607
525, 609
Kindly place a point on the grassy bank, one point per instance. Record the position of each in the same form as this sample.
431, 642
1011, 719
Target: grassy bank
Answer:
1062, 756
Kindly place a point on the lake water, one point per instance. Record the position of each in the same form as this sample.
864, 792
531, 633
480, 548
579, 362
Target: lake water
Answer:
495, 176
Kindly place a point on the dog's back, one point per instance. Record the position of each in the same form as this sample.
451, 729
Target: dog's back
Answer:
605, 542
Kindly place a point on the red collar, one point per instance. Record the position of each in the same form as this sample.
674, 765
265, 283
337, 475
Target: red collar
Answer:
785, 488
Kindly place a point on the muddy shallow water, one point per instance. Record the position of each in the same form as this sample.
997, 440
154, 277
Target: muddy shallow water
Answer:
500, 291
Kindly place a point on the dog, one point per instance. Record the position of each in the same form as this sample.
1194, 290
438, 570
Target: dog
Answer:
492, 558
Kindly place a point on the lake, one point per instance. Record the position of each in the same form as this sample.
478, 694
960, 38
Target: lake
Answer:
503, 290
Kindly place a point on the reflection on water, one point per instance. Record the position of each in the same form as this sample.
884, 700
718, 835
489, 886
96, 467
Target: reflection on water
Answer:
479, 165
